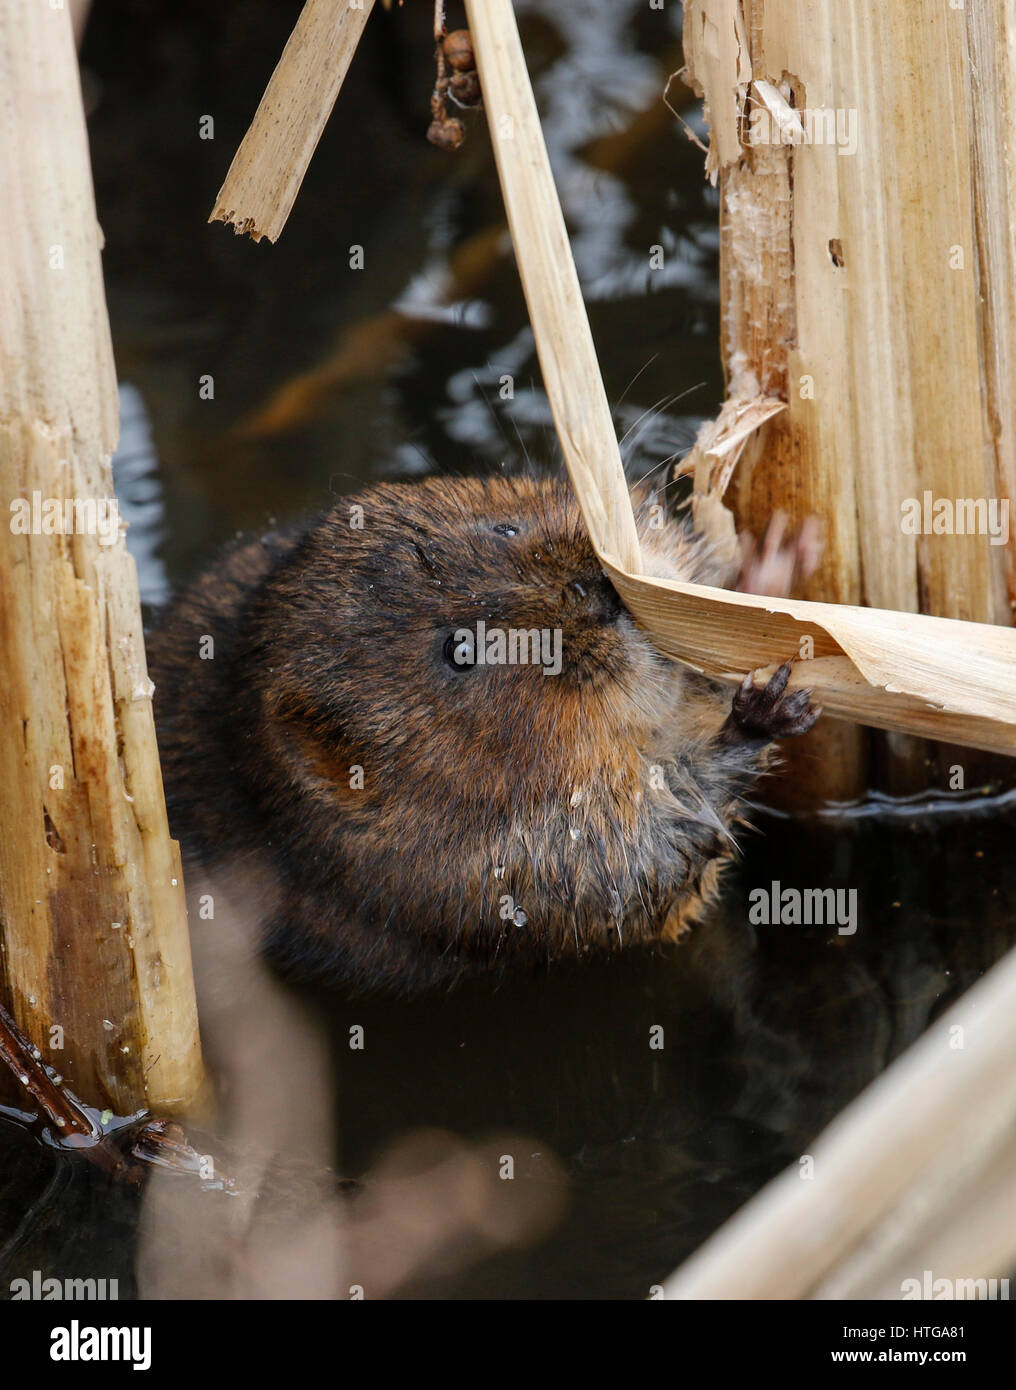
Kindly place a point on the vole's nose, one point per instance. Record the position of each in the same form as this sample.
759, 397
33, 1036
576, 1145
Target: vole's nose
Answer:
595, 594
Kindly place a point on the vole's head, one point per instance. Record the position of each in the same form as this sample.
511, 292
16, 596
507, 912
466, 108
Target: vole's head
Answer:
453, 700
424, 628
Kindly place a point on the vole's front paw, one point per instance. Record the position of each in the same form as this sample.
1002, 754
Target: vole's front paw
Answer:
768, 711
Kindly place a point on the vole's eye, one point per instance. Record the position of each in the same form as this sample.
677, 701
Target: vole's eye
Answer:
505, 528
459, 651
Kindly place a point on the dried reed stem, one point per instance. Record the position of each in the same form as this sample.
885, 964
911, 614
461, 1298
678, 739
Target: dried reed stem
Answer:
93, 920
268, 168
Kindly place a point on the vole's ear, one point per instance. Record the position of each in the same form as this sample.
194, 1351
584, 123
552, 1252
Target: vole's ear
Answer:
333, 768
323, 762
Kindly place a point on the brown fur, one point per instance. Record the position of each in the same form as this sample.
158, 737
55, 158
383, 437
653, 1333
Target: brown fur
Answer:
597, 801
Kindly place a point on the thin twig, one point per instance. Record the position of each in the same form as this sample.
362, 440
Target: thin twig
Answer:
98, 1138
25, 1062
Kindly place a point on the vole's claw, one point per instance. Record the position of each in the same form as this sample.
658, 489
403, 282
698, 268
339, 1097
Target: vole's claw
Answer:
768, 712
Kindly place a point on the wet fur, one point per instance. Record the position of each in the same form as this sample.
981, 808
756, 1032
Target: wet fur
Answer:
600, 801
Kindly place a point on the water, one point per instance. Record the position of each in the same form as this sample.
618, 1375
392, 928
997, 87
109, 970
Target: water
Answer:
323, 378
317, 384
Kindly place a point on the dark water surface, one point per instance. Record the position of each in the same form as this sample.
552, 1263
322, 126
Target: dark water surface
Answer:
319, 387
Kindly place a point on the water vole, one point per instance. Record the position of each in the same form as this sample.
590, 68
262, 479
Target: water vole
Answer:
428, 813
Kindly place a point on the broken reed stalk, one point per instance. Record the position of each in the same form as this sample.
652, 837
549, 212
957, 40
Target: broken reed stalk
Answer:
896, 1176
93, 926
268, 168
893, 670
897, 671
868, 279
